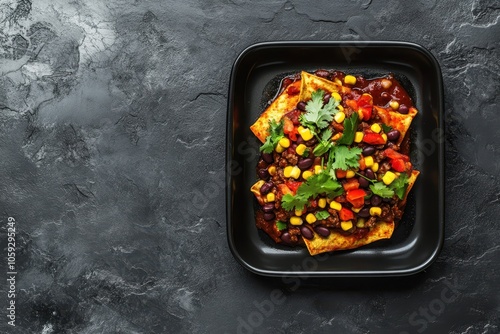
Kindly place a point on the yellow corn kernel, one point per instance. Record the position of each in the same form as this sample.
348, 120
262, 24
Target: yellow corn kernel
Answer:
317, 169
358, 137
307, 174
386, 83
270, 197
388, 177
335, 205
337, 96
339, 117
350, 80
305, 133
346, 226
360, 222
285, 142
385, 137
375, 128
296, 220
357, 209
360, 113
295, 172
310, 218
322, 203
272, 170
301, 148
287, 172
349, 174
369, 161
375, 167
337, 80
394, 104
340, 108
375, 211
279, 148
298, 212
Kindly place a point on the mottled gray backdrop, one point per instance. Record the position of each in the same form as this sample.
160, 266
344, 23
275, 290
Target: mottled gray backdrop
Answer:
112, 120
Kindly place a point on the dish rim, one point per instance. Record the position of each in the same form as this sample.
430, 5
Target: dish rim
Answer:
440, 168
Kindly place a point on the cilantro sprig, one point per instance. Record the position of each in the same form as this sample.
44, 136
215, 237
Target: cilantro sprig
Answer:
321, 183
275, 134
280, 225
397, 187
324, 143
343, 157
319, 115
350, 126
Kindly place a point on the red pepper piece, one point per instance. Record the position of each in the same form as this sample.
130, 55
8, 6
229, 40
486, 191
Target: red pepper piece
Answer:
398, 165
391, 154
346, 214
351, 184
373, 139
356, 197
365, 103
293, 185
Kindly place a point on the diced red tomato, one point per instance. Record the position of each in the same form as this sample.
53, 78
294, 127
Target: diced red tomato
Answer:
398, 165
314, 203
356, 197
365, 103
391, 154
346, 214
352, 104
362, 164
340, 173
290, 129
373, 138
293, 185
351, 184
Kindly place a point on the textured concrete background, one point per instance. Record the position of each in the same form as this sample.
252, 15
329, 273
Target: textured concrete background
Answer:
112, 115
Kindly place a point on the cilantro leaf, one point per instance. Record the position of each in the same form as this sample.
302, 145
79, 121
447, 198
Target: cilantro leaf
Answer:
380, 189
289, 202
343, 157
280, 225
315, 185
386, 127
275, 134
319, 114
399, 185
324, 143
322, 215
350, 126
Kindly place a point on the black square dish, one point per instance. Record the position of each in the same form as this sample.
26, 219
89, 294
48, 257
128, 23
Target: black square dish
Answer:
255, 78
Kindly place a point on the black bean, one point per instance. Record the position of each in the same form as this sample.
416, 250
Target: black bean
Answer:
403, 109
375, 200
301, 106
306, 232
323, 231
326, 98
300, 140
269, 216
322, 73
369, 174
266, 187
286, 238
263, 174
368, 150
364, 213
306, 163
393, 135
363, 183
268, 207
267, 157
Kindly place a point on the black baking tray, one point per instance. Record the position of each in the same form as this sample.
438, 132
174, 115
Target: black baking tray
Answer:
255, 79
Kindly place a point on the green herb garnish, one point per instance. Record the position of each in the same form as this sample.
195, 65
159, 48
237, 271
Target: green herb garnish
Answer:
322, 215
350, 126
399, 185
275, 134
317, 114
281, 225
315, 185
324, 143
343, 157
380, 189
386, 127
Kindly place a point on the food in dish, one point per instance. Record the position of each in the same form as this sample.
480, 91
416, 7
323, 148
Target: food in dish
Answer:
334, 171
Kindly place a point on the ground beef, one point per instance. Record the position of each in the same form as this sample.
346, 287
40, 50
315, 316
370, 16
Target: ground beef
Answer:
370, 222
333, 220
283, 162
387, 214
338, 127
291, 158
294, 233
384, 167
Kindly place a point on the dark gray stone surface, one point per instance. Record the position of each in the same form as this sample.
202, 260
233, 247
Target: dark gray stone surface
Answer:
112, 115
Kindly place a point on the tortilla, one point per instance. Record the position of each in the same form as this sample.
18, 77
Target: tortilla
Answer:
311, 83
396, 120
280, 106
337, 241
